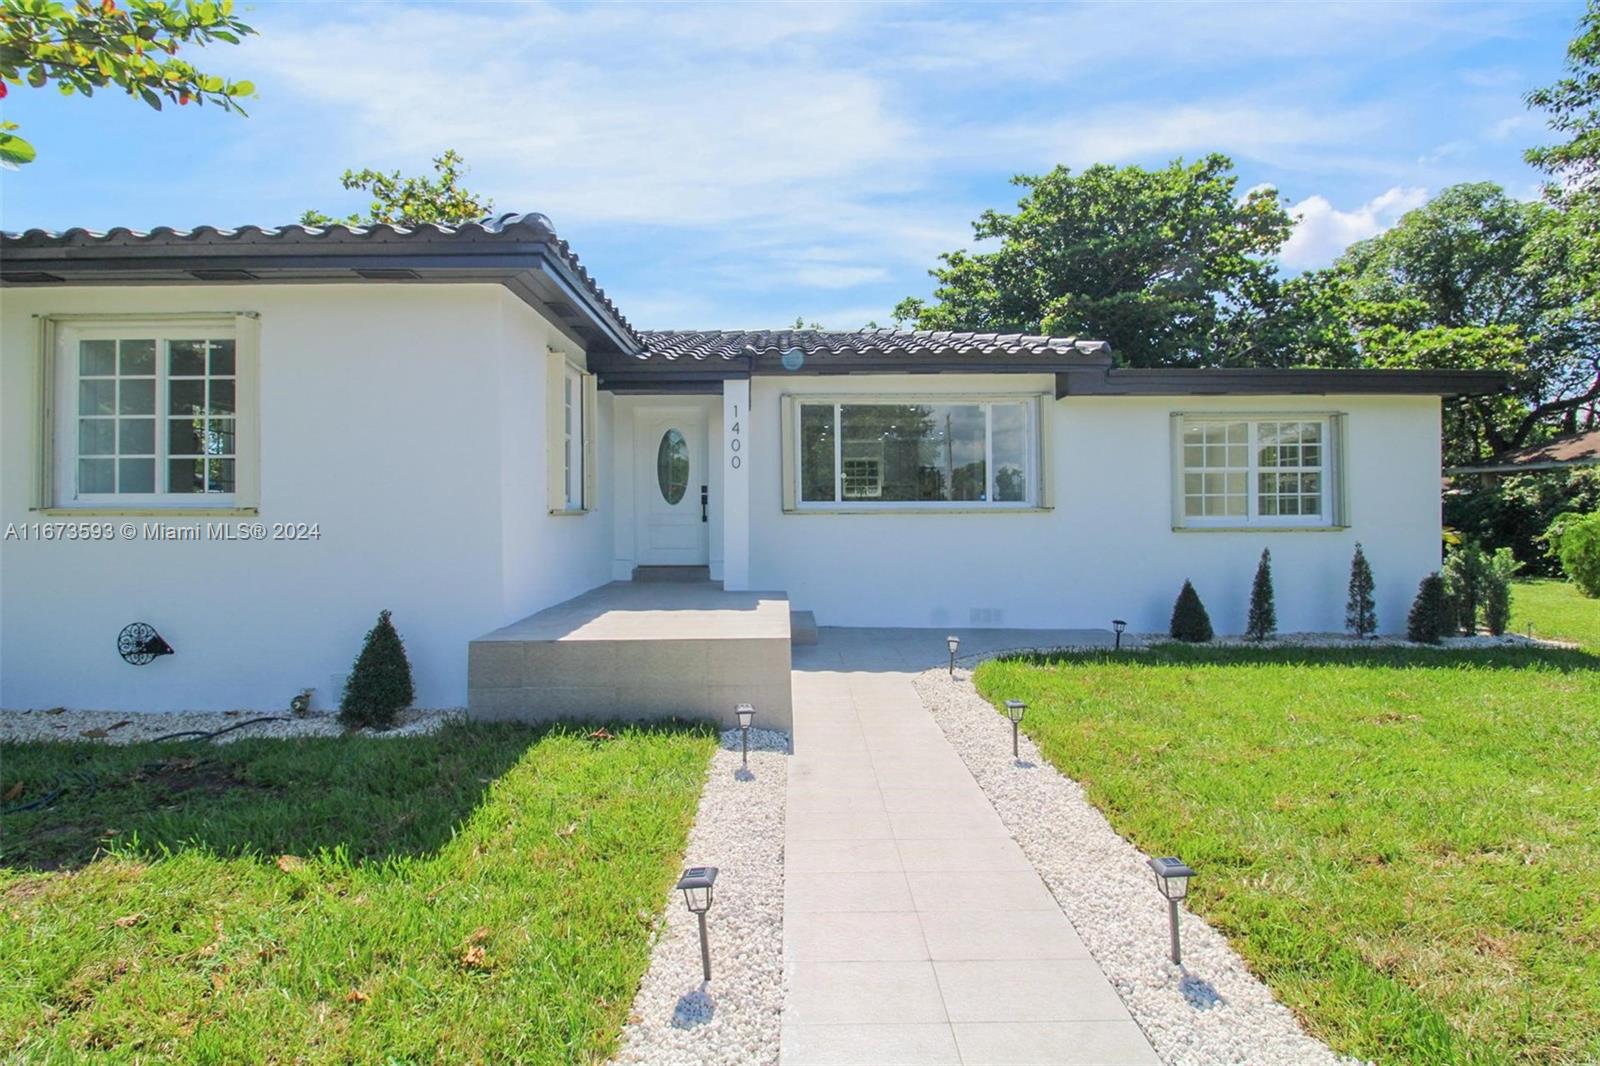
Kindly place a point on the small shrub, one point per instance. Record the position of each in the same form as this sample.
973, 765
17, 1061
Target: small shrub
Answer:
1503, 566
1189, 619
1466, 571
379, 686
1575, 540
1263, 619
1360, 610
1427, 621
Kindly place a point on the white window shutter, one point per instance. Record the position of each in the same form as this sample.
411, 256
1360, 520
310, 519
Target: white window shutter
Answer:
555, 382
44, 485
1335, 459
247, 340
1044, 413
1176, 462
591, 456
787, 457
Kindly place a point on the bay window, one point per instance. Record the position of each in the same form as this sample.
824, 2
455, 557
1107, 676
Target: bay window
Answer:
1238, 470
889, 453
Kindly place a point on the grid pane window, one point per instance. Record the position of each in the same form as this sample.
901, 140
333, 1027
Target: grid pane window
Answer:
964, 452
572, 438
155, 416
116, 416
1265, 471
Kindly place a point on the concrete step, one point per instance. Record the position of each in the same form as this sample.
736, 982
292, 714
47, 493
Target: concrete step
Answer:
682, 574
802, 627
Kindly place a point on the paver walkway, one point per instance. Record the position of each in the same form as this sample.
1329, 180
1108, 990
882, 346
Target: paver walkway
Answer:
915, 931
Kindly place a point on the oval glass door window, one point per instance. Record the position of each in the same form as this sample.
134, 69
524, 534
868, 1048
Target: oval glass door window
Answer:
672, 466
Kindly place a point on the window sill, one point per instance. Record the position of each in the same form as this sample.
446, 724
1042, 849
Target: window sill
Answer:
1259, 529
916, 510
571, 512
146, 512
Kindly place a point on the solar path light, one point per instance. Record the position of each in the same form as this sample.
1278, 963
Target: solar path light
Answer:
1015, 709
1119, 625
1172, 881
696, 887
954, 643
747, 714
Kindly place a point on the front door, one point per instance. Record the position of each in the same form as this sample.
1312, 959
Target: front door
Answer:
671, 481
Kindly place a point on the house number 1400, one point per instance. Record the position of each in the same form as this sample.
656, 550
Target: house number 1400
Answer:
734, 443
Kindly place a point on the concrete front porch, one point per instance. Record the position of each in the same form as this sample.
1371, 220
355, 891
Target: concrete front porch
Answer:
639, 651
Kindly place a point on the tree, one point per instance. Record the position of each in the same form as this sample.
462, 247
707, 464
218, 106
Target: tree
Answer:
1171, 266
379, 686
1466, 573
1263, 619
1360, 612
413, 201
1463, 282
1190, 622
84, 46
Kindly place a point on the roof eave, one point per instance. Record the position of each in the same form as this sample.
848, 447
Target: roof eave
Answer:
1266, 381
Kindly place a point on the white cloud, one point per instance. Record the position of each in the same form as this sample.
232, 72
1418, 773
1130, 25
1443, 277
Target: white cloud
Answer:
1323, 231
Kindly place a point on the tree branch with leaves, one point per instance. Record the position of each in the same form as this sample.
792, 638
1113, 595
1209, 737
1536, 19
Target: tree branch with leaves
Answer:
84, 47
412, 201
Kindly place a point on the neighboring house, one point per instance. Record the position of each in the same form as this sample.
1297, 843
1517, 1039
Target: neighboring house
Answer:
457, 424
1564, 453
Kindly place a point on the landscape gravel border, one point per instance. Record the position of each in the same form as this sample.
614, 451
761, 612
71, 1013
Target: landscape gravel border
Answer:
1210, 1010
677, 1020
117, 727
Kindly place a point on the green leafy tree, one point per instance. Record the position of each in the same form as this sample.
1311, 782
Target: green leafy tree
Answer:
1262, 621
1461, 283
1360, 611
1466, 572
1172, 266
412, 201
1503, 566
379, 686
83, 47
1190, 622
1428, 621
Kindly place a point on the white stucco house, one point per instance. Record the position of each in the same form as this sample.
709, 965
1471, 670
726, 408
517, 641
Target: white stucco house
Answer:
255, 439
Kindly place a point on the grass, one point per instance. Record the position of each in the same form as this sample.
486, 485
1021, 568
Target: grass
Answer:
1556, 609
482, 895
1402, 843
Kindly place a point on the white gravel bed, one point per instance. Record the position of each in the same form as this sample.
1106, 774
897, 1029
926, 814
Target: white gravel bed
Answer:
677, 1018
118, 727
1211, 1009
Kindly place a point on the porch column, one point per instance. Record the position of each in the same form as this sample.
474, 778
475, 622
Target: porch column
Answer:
735, 458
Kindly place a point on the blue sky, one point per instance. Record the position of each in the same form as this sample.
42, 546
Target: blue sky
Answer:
732, 166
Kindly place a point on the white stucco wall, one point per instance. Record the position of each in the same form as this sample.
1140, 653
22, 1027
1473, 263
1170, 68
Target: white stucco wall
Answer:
1107, 547
406, 420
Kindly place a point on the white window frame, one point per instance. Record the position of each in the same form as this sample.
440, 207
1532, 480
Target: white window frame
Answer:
1033, 453
1330, 472
570, 450
60, 345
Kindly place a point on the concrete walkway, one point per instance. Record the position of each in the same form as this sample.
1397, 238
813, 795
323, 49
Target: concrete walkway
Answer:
915, 931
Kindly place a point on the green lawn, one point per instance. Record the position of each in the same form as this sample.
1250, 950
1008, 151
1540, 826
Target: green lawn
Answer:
484, 894
1555, 609
1404, 844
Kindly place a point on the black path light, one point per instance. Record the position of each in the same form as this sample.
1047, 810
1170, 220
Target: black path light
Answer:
1119, 625
695, 884
1172, 881
954, 644
1015, 709
747, 714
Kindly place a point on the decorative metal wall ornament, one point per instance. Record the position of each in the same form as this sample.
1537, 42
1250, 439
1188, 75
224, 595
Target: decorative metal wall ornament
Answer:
139, 644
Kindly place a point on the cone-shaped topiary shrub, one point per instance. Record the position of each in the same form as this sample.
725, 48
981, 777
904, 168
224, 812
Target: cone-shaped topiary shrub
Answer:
1189, 619
1263, 619
379, 686
1360, 611
1503, 566
1428, 620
